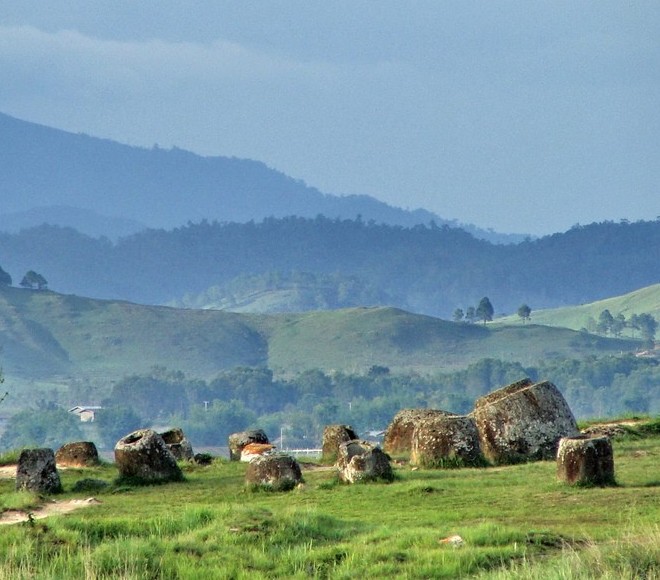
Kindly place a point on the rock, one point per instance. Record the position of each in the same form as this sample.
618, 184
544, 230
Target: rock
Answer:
143, 455
239, 440
178, 444
279, 472
398, 436
203, 458
253, 450
523, 422
333, 437
77, 454
585, 460
89, 485
36, 472
360, 461
446, 441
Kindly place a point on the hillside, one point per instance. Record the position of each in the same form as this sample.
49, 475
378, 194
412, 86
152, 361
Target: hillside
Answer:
44, 167
645, 300
425, 269
48, 335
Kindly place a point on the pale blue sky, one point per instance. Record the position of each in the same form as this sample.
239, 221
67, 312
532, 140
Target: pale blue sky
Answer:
518, 116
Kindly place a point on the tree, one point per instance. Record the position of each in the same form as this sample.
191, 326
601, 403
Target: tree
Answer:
458, 315
618, 324
647, 325
5, 279
524, 312
46, 427
605, 322
113, 423
34, 280
470, 314
485, 310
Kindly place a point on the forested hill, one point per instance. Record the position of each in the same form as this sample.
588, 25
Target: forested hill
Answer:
42, 167
424, 269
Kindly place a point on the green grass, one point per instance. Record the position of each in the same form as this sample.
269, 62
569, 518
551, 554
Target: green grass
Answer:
51, 339
516, 521
644, 300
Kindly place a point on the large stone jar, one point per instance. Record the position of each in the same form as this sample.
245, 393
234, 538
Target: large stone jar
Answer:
523, 422
143, 455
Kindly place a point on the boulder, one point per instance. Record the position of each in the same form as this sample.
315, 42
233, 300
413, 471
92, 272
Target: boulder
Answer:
585, 460
253, 450
523, 422
178, 444
446, 441
77, 454
398, 436
143, 455
36, 472
279, 472
360, 461
333, 437
239, 440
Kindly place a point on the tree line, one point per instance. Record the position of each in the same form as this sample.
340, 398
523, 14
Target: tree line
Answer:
301, 406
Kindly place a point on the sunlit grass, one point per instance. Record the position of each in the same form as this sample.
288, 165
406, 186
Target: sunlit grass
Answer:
516, 521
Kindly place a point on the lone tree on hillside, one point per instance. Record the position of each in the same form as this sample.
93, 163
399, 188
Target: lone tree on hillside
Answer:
458, 315
485, 310
5, 279
34, 280
525, 312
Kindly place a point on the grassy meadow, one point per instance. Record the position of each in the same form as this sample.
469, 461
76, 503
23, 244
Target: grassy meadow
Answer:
644, 300
515, 522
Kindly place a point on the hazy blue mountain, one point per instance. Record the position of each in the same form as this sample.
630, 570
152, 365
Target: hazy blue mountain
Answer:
84, 220
46, 167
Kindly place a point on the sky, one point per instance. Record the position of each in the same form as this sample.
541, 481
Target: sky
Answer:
516, 116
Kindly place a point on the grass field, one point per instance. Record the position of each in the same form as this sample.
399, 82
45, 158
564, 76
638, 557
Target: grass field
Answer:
645, 300
515, 521
52, 338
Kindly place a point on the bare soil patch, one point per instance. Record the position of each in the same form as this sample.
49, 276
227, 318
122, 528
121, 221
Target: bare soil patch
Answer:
48, 509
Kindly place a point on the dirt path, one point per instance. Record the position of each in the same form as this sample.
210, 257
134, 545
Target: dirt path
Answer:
48, 509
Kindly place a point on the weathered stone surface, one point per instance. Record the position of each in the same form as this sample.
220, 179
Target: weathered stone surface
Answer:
77, 454
203, 458
363, 461
36, 471
333, 437
398, 436
89, 485
144, 455
278, 471
239, 440
523, 422
178, 444
585, 460
446, 441
253, 450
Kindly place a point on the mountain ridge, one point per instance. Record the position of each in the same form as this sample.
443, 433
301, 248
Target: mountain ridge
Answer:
165, 188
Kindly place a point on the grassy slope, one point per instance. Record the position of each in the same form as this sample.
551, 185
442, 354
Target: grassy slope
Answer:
516, 521
644, 300
45, 334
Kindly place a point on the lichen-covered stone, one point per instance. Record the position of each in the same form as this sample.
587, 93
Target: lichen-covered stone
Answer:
398, 436
360, 461
239, 440
77, 454
446, 441
585, 460
279, 472
178, 444
143, 455
333, 437
523, 422
36, 472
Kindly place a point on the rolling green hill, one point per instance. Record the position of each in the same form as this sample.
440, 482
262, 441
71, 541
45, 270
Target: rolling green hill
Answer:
45, 335
644, 300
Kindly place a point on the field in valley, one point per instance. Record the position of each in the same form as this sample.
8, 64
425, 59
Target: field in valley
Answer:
514, 521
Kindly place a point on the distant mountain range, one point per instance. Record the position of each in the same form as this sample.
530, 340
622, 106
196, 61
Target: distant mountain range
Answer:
52, 176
